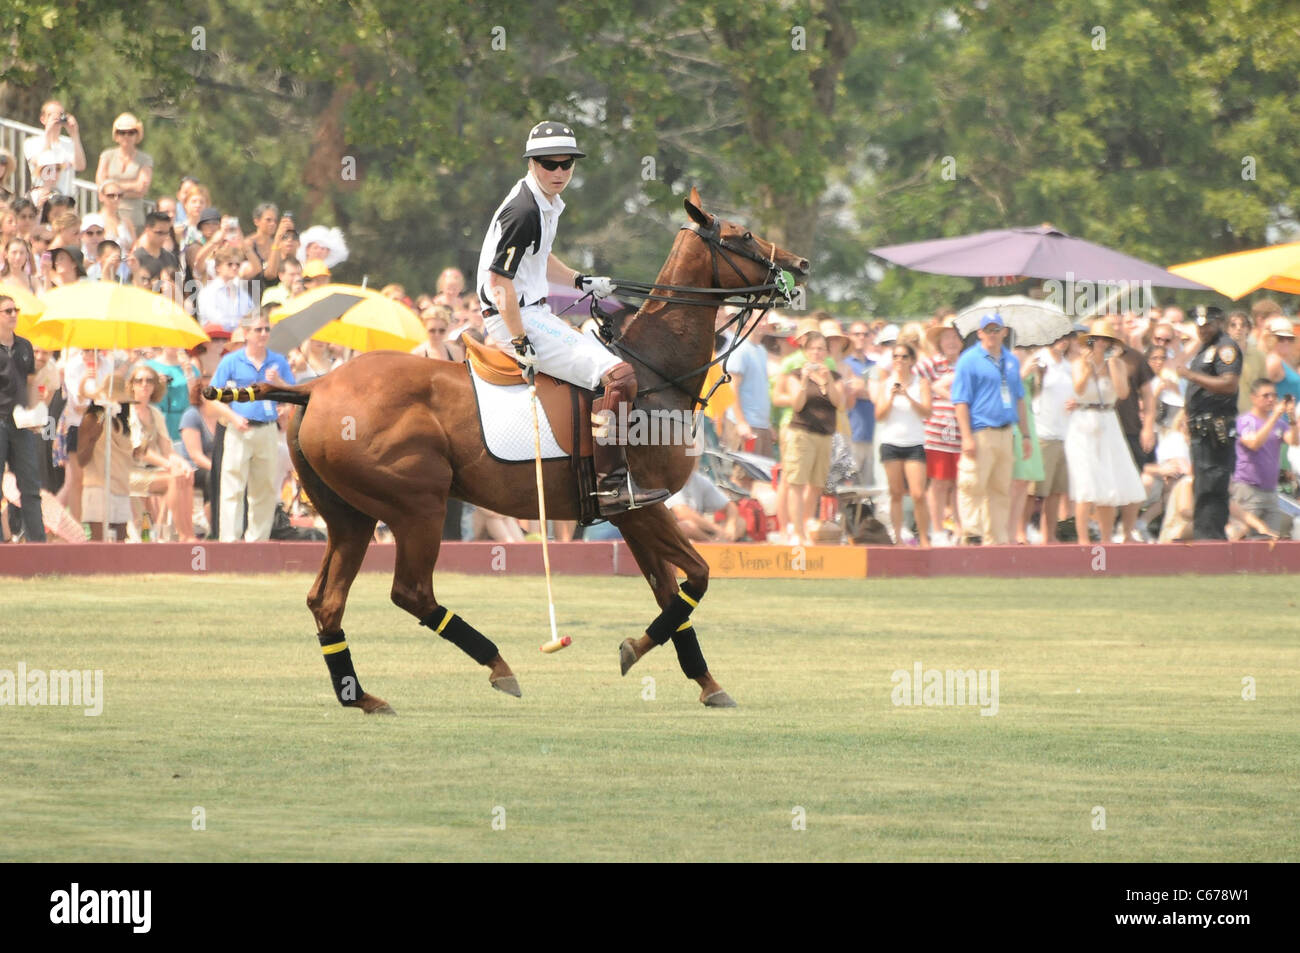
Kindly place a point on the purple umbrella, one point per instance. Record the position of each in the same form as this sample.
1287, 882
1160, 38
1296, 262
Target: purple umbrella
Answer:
1039, 252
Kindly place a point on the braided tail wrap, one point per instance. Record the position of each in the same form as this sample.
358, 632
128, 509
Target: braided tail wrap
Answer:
281, 393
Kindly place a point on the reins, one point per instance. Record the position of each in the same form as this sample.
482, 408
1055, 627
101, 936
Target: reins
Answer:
748, 298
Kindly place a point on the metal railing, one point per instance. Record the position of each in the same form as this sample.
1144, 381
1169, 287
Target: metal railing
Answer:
12, 136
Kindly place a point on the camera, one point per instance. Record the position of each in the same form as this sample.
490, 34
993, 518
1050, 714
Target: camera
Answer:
63, 118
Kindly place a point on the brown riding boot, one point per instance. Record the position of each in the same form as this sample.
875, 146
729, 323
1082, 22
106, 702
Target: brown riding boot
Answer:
615, 491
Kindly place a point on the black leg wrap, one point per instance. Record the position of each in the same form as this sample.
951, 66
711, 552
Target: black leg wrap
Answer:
461, 634
671, 618
689, 656
338, 659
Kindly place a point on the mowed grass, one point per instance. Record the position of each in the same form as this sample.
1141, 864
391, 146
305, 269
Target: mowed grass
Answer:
1121, 694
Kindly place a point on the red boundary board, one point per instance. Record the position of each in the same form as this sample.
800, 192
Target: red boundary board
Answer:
614, 558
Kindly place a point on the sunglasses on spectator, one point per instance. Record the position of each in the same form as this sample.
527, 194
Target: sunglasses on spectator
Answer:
9, 310
902, 356
126, 132
1161, 340
94, 231
265, 328
550, 165
112, 195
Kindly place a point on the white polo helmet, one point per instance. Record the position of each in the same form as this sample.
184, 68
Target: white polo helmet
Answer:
550, 138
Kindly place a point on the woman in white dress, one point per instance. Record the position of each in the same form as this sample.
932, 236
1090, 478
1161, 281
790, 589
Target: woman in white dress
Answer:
1102, 472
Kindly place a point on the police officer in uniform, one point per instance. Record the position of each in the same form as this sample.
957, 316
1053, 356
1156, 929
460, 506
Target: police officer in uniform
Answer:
514, 269
1212, 372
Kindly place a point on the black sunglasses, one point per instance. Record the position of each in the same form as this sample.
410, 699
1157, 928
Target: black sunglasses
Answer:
550, 165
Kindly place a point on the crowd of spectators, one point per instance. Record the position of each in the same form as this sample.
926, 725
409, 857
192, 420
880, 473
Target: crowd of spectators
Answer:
1085, 438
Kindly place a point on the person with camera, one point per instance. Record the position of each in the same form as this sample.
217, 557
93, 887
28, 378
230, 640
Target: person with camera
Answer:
1212, 369
1103, 474
814, 394
1260, 435
902, 400
62, 137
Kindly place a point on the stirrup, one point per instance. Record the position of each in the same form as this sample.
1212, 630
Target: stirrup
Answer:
610, 499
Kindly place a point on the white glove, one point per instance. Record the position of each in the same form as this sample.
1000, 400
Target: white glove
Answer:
599, 287
525, 356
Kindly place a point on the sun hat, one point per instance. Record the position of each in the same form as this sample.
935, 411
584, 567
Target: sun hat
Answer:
551, 138
935, 331
315, 269
1280, 327
991, 319
209, 214
831, 329
127, 121
1104, 328
888, 334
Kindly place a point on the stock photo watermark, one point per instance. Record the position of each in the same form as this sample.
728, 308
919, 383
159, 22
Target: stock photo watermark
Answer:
943, 688
35, 687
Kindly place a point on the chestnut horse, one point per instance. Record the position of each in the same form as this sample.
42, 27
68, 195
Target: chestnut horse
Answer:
391, 436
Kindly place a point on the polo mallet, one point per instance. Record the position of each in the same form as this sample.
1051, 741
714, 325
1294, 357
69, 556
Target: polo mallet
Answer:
556, 642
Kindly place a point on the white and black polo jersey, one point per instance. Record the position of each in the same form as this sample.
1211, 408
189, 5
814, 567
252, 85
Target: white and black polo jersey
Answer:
518, 242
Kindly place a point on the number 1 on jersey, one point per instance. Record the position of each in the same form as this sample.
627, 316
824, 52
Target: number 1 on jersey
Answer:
510, 255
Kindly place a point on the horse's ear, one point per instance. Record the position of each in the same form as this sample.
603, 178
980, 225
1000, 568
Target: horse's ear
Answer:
697, 214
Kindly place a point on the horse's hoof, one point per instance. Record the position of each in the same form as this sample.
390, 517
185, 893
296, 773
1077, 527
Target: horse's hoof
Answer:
508, 684
719, 700
626, 656
374, 705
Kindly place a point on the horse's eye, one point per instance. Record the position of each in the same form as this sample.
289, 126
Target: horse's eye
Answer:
748, 236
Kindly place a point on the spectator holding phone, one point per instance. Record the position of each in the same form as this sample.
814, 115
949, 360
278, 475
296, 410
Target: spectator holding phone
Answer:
902, 401
264, 248
814, 394
128, 168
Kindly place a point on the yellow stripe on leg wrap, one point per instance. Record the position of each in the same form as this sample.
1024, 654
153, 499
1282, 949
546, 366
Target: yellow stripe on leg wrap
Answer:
336, 647
684, 626
693, 603
445, 620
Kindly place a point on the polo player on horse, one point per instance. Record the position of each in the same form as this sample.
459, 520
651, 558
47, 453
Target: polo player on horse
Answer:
514, 269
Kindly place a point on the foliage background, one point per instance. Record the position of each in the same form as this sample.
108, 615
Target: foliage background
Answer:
826, 124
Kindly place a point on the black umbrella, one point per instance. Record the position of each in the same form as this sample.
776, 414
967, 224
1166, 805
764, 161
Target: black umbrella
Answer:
293, 330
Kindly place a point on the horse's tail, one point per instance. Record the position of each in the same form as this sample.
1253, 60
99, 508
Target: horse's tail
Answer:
282, 393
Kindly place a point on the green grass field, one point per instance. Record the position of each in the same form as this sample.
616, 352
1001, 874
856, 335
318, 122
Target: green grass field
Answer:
1121, 694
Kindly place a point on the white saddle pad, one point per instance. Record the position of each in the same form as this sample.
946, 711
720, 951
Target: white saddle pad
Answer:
507, 419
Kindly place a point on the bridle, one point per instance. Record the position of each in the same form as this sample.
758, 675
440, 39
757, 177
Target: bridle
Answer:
777, 288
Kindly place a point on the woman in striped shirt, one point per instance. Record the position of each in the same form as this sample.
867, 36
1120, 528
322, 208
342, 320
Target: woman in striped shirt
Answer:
942, 438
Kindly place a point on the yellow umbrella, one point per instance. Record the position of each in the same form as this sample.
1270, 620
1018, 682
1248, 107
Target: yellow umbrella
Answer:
106, 316
349, 316
1276, 267
30, 309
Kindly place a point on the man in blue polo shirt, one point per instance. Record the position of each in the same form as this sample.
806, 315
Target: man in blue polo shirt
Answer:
251, 453
988, 398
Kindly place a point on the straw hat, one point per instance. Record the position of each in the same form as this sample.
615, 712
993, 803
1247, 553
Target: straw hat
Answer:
1104, 328
805, 327
128, 121
831, 329
935, 331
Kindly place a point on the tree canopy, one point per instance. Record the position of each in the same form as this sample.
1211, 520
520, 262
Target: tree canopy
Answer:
1160, 127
